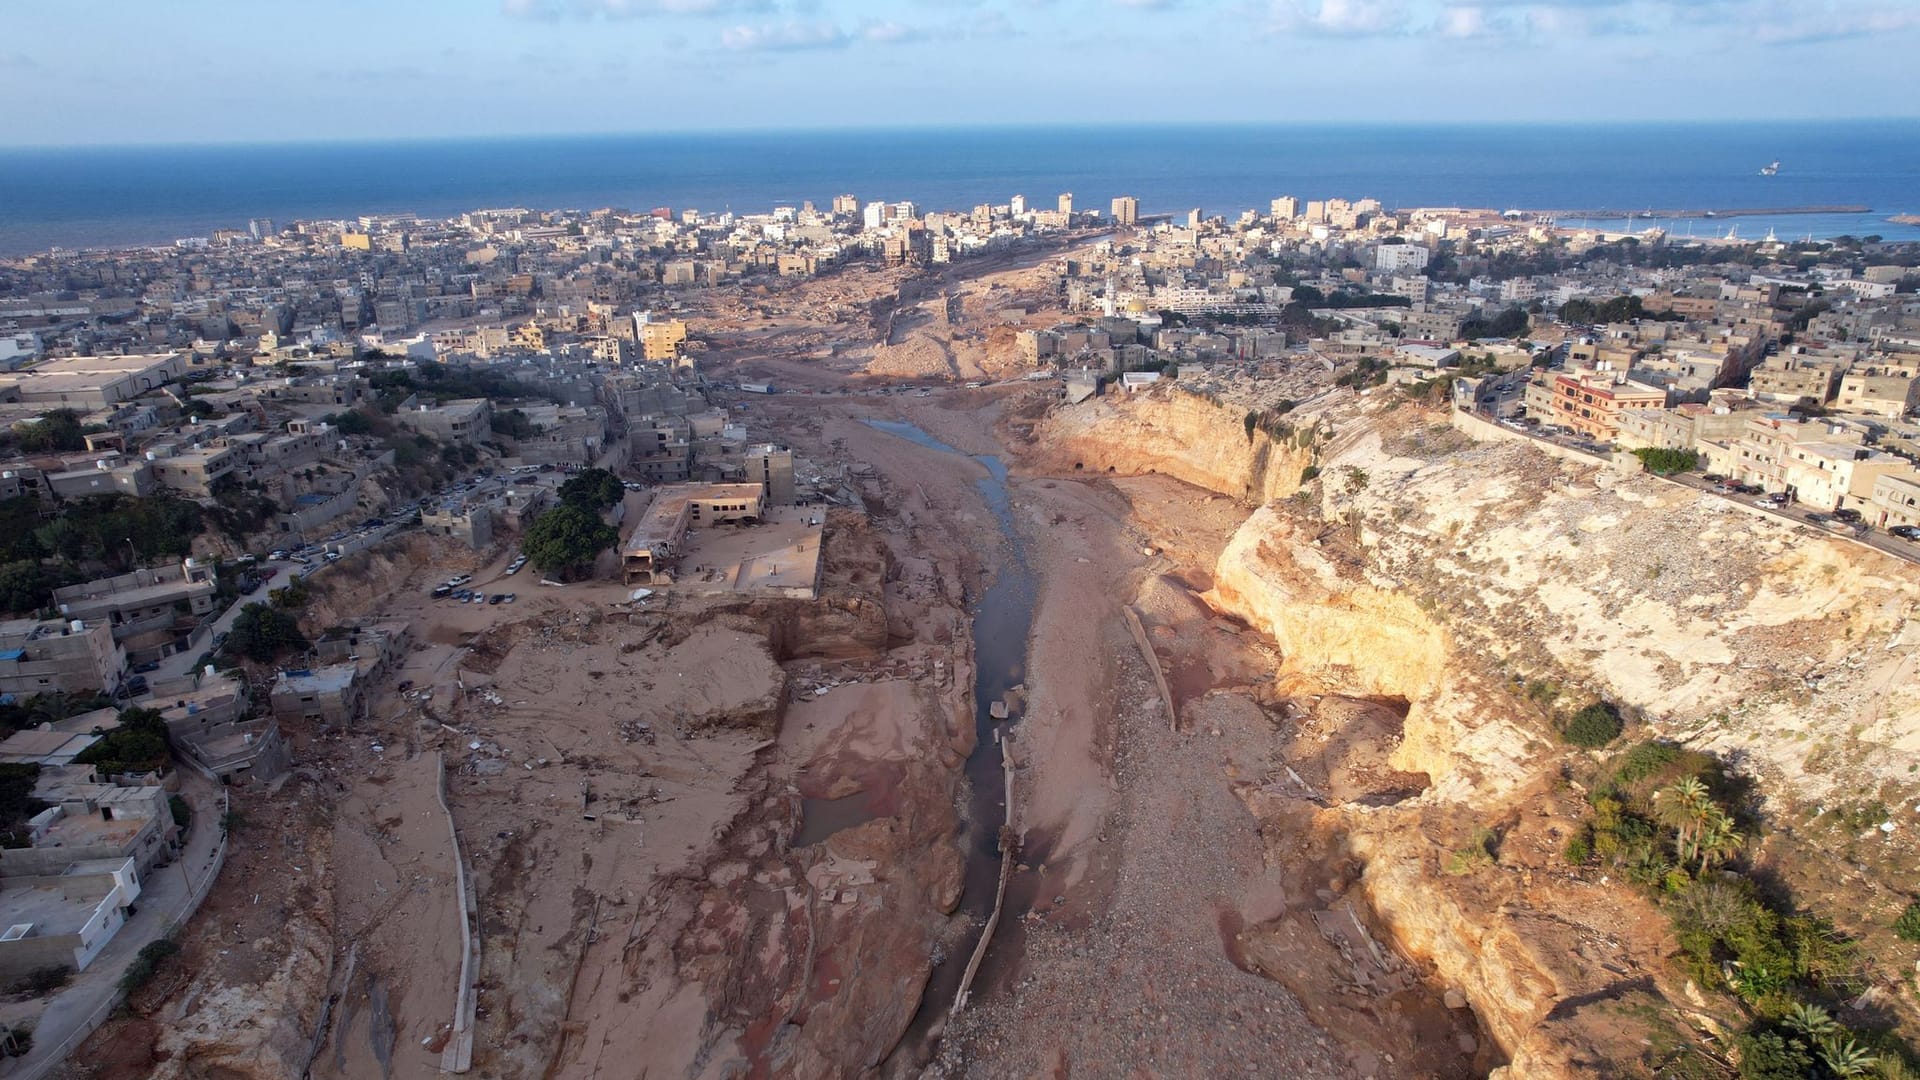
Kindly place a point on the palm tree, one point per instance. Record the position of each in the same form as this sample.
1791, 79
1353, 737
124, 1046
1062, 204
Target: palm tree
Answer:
1684, 808
1844, 1057
1810, 1021
1718, 840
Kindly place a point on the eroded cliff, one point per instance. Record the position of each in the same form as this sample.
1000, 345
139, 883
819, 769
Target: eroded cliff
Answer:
1477, 583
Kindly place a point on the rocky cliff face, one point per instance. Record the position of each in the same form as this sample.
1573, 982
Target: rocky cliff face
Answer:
1423, 568
1172, 431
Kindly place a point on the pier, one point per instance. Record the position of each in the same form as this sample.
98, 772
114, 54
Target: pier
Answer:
1762, 211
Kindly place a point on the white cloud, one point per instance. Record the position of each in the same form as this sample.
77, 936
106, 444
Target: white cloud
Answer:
630, 9
1340, 18
1464, 22
784, 37
891, 33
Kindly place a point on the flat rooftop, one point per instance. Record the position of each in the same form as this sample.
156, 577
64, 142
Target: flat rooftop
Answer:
88, 829
44, 747
46, 908
330, 679
781, 555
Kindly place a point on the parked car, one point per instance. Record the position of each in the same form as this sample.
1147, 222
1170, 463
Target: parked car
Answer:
1847, 515
441, 590
142, 669
137, 684
509, 598
1712, 478
1906, 532
496, 598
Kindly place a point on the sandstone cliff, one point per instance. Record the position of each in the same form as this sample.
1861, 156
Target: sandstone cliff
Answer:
1422, 568
1184, 435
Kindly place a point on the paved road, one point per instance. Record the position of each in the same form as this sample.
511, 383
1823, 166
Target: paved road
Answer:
162, 903
1795, 513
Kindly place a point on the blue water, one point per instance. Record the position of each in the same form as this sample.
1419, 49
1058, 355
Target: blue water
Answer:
89, 197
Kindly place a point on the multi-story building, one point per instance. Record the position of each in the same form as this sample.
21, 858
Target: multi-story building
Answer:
58, 656
1877, 395
467, 421
659, 340
771, 467
1126, 210
153, 612
331, 695
1794, 378
1401, 258
1590, 402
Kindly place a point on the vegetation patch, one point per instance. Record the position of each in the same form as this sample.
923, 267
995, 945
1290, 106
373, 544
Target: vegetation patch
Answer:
1669, 821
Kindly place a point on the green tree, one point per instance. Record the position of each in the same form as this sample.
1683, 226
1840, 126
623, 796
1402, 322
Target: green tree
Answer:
594, 489
1766, 1056
1593, 727
262, 633
351, 422
1667, 462
59, 431
567, 538
138, 745
24, 586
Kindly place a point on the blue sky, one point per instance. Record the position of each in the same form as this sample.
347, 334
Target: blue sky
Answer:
115, 71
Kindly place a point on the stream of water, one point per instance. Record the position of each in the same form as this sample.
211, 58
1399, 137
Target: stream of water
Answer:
1002, 620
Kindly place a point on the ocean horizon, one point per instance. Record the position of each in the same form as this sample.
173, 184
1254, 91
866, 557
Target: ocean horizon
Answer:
122, 196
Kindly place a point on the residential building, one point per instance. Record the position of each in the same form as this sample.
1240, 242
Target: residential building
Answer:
1590, 402
58, 656
660, 341
332, 695
153, 612
771, 467
1877, 395
1126, 210
467, 421
210, 723
471, 523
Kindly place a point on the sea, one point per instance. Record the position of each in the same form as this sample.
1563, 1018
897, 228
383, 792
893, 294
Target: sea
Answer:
114, 196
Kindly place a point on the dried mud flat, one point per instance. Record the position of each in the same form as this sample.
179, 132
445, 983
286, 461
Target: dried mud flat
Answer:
1164, 933
722, 837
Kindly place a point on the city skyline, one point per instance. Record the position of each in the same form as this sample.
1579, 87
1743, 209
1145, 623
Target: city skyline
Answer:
213, 71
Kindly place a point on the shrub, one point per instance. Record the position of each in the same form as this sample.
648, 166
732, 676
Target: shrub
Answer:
1766, 1056
1667, 462
1593, 727
1309, 474
1579, 849
1476, 853
182, 810
1907, 926
42, 981
146, 963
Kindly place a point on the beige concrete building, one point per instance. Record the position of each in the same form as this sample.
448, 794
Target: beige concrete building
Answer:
153, 612
653, 548
466, 422
332, 695
1895, 500
1877, 395
1590, 402
58, 656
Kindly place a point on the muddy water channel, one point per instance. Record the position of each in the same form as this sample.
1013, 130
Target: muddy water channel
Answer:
1002, 620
